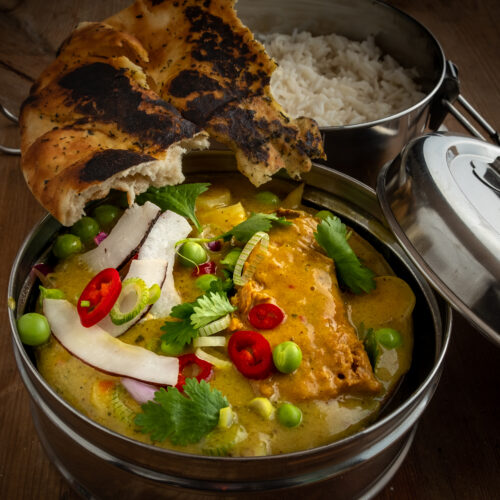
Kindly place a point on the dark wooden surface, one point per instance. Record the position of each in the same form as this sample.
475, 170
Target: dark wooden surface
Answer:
456, 453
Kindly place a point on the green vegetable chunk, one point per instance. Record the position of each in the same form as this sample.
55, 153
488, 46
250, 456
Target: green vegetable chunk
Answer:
180, 199
229, 261
332, 236
191, 254
388, 337
289, 415
86, 229
66, 245
49, 293
324, 214
171, 349
33, 328
287, 357
204, 281
267, 197
182, 418
107, 215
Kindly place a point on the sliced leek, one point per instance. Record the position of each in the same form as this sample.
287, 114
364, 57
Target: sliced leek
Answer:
217, 362
219, 341
216, 326
240, 276
133, 299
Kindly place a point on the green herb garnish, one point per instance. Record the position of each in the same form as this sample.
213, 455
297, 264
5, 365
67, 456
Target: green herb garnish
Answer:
332, 236
209, 307
255, 223
182, 418
180, 199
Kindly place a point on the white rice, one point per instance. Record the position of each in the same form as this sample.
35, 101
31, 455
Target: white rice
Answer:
338, 81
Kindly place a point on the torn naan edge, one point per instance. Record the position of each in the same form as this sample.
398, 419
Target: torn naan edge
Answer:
207, 64
92, 123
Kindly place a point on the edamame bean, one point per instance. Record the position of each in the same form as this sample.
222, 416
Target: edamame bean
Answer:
287, 357
66, 245
33, 328
229, 261
191, 254
289, 415
267, 197
388, 337
107, 215
203, 282
86, 228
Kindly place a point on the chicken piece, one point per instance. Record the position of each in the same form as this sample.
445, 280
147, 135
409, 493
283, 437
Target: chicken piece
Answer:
208, 65
301, 280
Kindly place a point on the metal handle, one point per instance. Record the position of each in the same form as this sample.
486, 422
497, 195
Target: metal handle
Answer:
13, 118
448, 94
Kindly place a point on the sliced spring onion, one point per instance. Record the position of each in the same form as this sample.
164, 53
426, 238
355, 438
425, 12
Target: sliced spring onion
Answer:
240, 277
133, 299
216, 326
154, 293
209, 341
217, 362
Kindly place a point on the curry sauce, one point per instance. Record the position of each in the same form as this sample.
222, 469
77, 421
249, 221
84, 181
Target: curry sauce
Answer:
335, 386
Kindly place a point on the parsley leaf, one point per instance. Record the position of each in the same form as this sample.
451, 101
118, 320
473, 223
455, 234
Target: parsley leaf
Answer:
179, 332
180, 199
256, 222
182, 418
332, 236
210, 307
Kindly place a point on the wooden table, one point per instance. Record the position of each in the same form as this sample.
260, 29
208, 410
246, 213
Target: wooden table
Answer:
456, 453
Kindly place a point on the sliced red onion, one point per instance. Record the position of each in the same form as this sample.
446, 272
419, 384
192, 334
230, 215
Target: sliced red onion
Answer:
43, 268
214, 246
209, 267
140, 391
100, 237
41, 271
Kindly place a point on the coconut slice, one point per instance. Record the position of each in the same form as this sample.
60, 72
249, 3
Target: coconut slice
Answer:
124, 239
152, 272
168, 230
97, 348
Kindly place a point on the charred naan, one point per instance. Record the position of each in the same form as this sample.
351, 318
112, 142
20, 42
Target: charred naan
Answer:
92, 123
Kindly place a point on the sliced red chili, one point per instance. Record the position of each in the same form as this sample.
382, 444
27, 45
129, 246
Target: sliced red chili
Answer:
206, 268
265, 316
188, 360
101, 293
251, 353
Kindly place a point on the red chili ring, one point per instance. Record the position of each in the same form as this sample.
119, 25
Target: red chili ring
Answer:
191, 359
265, 316
251, 354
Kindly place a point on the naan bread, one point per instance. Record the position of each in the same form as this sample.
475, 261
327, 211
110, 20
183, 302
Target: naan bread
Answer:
92, 124
125, 99
208, 65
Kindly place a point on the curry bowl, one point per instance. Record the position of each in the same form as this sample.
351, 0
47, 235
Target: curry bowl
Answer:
100, 463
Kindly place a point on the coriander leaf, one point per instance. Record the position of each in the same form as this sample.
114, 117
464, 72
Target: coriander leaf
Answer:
182, 419
179, 332
256, 222
331, 235
180, 199
182, 311
218, 285
210, 307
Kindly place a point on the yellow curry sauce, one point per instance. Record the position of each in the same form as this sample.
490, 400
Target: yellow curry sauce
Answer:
316, 309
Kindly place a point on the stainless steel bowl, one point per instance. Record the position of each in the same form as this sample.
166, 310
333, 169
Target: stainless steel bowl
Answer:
102, 464
361, 150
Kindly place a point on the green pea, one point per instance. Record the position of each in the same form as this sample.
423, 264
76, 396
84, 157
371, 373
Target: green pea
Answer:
86, 228
203, 282
192, 254
66, 245
267, 197
231, 258
171, 349
287, 357
289, 415
388, 337
324, 214
33, 328
107, 215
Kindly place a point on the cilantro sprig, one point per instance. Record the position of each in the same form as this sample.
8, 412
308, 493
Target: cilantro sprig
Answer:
180, 199
182, 418
211, 306
332, 236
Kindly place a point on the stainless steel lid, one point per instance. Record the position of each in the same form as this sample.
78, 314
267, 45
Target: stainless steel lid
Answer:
441, 198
